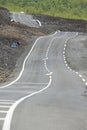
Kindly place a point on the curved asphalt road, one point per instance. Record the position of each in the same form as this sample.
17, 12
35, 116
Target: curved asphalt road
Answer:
25, 19
54, 99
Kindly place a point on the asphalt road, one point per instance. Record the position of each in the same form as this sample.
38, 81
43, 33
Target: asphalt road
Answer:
25, 19
47, 95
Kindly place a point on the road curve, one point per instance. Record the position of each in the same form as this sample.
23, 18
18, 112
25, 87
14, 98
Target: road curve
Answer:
47, 95
25, 19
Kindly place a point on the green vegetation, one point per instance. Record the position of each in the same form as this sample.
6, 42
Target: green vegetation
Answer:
76, 9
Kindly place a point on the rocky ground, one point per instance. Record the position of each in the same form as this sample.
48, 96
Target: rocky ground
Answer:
22, 36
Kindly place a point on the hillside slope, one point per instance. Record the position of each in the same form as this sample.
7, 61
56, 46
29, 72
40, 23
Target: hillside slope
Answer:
75, 9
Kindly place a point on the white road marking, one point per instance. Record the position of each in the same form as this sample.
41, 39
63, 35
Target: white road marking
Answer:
6, 103
3, 111
68, 67
83, 80
49, 73
39, 22
2, 119
7, 122
65, 61
86, 83
45, 58
63, 52
80, 75
77, 72
64, 45
7, 100
46, 68
5, 106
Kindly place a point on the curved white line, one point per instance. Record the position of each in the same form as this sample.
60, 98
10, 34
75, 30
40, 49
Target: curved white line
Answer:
7, 122
39, 22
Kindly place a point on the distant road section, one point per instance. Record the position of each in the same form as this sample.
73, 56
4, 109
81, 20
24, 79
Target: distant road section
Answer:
25, 19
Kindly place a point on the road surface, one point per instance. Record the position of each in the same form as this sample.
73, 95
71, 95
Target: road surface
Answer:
47, 94
25, 19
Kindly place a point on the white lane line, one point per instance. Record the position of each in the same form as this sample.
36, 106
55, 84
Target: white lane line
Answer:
39, 22
86, 83
68, 67
45, 58
63, 52
64, 48
77, 72
83, 80
64, 45
5, 106
65, 61
2, 119
49, 73
7, 122
6, 103
80, 75
46, 68
7, 100
3, 111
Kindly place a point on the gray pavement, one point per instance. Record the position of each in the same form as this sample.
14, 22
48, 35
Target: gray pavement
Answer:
25, 19
61, 106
